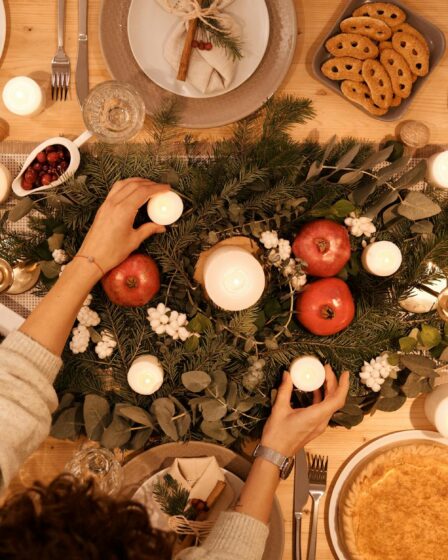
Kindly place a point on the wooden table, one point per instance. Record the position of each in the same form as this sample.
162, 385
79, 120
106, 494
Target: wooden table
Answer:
29, 47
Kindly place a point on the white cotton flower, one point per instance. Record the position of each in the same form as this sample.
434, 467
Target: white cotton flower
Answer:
269, 239
184, 334
162, 309
59, 256
274, 258
154, 323
88, 301
164, 319
153, 313
62, 269
108, 339
170, 330
374, 373
160, 329
104, 350
359, 226
297, 282
284, 249
182, 319
290, 268
80, 339
88, 317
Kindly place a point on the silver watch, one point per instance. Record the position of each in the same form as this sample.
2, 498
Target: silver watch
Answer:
285, 464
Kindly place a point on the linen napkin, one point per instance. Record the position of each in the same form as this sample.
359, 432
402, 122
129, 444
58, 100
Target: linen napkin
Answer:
209, 71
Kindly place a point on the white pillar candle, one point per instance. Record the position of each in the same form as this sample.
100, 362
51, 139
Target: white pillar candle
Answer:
145, 376
5, 182
233, 278
382, 258
307, 373
23, 96
165, 208
437, 170
436, 408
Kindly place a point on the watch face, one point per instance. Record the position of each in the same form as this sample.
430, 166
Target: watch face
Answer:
287, 468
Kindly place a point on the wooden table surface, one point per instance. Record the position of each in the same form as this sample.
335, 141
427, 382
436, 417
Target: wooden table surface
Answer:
30, 44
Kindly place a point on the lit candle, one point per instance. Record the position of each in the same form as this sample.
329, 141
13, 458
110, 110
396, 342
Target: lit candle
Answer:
307, 373
233, 278
437, 170
382, 258
5, 183
165, 208
436, 408
23, 96
145, 376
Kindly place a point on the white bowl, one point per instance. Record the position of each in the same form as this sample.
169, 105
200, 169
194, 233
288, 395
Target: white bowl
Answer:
75, 159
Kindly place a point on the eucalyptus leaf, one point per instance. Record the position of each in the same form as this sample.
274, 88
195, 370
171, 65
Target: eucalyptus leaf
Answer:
345, 160
213, 410
407, 344
412, 176
68, 424
137, 415
191, 344
96, 412
412, 387
214, 430
360, 195
388, 389
271, 343
50, 269
418, 206
117, 434
21, 209
429, 336
163, 409
95, 335
377, 157
199, 324
196, 381
314, 170
391, 404
391, 215
350, 177
351, 409
424, 227
444, 355
218, 387
386, 199
140, 438
183, 420
65, 401
329, 148
55, 241
232, 394
385, 173
421, 365
346, 420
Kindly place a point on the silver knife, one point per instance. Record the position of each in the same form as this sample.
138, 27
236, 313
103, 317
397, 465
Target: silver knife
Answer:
301, 486
82, 66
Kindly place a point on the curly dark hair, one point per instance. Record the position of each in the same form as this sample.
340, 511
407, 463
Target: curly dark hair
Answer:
69, 520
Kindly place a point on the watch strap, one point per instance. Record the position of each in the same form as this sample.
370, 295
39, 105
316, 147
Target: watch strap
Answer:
281, 461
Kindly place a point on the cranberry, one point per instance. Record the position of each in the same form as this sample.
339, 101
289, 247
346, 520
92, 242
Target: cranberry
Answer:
26, 184
37, 166
53, 158
41, 157
208, 46
49, 149
61, 155
30, 175
201, 45
45, 167
194, 44
46, 179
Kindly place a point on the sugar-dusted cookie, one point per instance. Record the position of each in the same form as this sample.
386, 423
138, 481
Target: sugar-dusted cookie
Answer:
406, 28
343, 68
389, 13
359, 93
373, 28
350, 44
378, 80
399, 72
385, 45
413, 51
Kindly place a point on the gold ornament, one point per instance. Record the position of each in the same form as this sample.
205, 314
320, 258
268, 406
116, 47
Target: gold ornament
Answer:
25, 276
414, 134
6, 275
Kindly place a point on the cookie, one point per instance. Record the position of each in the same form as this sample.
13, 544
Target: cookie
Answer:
379, 83
350, 44
385, 45
413, 51
343, 68
359, 93
389, 13
396, 101
406, 28
370, 27
399, 72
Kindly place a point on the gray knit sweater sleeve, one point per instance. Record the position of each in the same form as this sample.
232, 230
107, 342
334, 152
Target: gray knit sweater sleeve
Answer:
27, 399
235, 536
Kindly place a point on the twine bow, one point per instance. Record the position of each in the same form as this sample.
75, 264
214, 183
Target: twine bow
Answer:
192, 9
183, 526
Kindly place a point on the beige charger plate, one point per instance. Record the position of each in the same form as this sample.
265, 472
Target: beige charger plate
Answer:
142, 467
214, 111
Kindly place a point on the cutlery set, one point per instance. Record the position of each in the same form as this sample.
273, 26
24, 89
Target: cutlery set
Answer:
60, 65
310, 479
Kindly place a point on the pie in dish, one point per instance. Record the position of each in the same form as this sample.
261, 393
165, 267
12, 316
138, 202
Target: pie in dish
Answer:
396, 507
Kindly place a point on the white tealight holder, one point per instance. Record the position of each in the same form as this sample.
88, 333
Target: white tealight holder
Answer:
5, 183
165, 208
436, 408
23, 96
437, 170
307, 373
145, 376
75, 159
382, 258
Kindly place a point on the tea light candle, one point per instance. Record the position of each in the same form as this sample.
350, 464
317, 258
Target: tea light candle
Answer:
145, 376
436, 408
23, 96
5, 182
307, 373
382, 258
233, 278
165, 208
437, 170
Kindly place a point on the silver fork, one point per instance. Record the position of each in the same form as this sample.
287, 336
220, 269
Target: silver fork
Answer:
60, 65
317, 475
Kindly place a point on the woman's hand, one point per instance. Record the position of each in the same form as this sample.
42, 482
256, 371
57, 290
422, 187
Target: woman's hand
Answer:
288, 430
112, 237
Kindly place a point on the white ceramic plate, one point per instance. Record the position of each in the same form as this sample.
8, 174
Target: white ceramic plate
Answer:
391, 440
149, 25
159, 520
2, 27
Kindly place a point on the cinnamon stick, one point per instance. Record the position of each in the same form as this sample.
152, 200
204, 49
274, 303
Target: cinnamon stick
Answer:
188, 47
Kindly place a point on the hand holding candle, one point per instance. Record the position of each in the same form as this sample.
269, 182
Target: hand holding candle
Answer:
307, 373
165, 208
145, 376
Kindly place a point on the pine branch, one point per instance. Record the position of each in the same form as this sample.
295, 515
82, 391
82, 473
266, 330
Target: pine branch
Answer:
172, 497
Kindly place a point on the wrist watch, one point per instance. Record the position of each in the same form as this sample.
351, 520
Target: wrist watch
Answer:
285, 464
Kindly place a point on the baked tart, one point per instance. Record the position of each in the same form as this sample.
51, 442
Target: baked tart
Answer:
396, 507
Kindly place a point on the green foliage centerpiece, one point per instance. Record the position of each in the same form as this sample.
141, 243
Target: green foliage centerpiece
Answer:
220, 382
